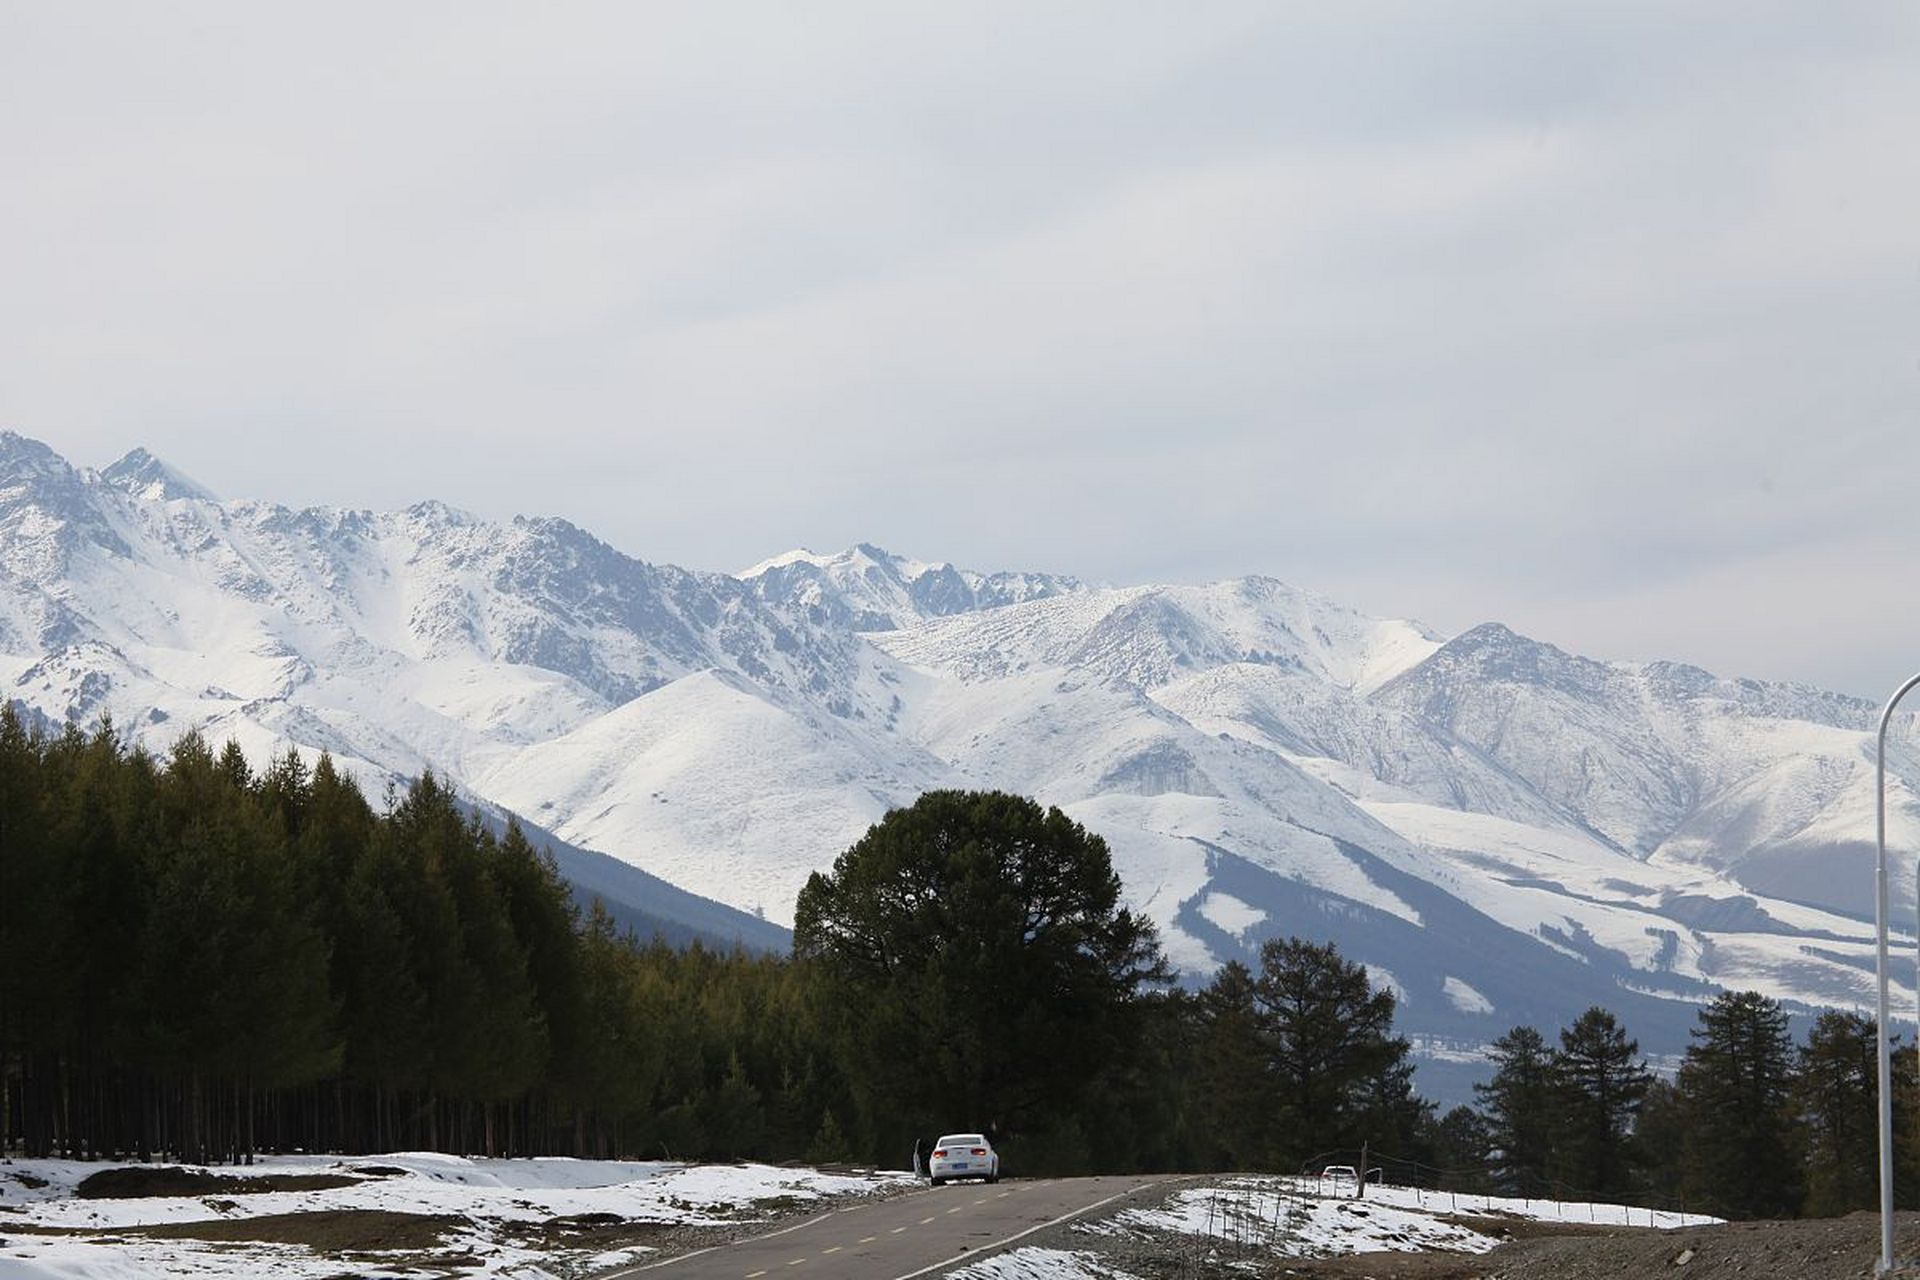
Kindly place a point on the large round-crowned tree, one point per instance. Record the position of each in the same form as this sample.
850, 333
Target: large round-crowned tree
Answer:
981, 968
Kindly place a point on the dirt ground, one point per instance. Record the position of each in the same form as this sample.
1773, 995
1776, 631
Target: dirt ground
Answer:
140, 1181
327, 1231
1821, 1249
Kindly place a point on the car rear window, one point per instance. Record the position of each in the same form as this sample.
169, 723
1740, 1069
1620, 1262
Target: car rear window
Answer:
963, 1140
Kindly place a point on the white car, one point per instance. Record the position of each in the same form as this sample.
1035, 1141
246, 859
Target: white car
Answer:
963, 1155
1339, 1180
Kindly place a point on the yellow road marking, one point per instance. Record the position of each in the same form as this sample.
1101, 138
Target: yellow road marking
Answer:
955, 1209
897, 1230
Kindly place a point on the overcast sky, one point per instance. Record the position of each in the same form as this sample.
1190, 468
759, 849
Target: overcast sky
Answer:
1599, 320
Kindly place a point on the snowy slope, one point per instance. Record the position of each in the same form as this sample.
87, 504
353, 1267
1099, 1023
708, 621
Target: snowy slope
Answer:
714, 776
1503, 831
1771, 784
1150, 636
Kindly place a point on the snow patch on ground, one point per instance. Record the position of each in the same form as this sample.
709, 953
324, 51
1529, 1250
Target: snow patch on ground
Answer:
1295, 1218
1475, 1206
1271, 1212
40, 1258
1041, 1264
496, 1196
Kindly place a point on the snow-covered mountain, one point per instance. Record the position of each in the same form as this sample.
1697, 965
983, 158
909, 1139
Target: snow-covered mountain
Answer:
867, 589
1504, 832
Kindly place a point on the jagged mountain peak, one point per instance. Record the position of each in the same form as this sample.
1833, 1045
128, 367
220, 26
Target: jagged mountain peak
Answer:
1492, 655
47, 510
1153, 636
1493, 652
862, 558
870, 588
435, 514
141, 474
14, 445
30, 469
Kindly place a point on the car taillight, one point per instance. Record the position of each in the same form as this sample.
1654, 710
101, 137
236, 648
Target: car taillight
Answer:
979, 1151
941, 1152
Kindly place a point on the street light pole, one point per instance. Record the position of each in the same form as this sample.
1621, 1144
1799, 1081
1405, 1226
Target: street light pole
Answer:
1880, 972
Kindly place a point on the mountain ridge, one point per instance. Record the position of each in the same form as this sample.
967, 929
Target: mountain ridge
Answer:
1250, 751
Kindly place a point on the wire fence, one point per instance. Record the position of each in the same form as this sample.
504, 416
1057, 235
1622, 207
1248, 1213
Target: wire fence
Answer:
1476, 1189
1240, 1222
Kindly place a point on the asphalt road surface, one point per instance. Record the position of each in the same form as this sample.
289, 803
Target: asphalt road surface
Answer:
920, 1233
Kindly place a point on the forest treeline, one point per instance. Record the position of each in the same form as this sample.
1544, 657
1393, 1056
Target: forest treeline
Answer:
200, 960
1752, 1124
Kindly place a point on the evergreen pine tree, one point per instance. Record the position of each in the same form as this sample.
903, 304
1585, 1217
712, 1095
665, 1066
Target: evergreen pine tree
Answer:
1660, 1137
37, 934
1462, 1144
1599, 1081
732, 1117
1837, 1090
829, 1145
1328, 1036
1521, 1111
1735, 1087
978, 918
1237, 1103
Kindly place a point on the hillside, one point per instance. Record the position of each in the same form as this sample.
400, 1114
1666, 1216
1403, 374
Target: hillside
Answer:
1503, 831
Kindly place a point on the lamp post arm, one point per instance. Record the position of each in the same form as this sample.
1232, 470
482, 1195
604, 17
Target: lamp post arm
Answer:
1882, 1010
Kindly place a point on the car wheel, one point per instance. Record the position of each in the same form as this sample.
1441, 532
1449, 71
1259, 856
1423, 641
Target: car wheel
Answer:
934, 1181
992, 1178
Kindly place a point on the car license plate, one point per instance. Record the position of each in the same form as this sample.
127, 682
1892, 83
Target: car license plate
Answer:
959, 1164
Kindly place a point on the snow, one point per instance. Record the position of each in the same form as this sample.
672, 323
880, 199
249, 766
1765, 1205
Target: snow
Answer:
1381, 979
709, 763
1464, 997
1300, 1225
799, 555
1152, 636
1231, 914
1494, 1208
1245, 747
496, 1195
505, 1190
1035, 1263
1297, 1218
1242, 1220
1526, 877
132, 1258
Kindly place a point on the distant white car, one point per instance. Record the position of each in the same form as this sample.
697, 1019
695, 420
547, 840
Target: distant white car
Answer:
963, 1155
1339, 1180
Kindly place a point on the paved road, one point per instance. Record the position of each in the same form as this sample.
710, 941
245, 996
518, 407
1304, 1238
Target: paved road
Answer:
922, 1232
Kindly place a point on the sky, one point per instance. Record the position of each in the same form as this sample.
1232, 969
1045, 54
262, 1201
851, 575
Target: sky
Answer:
1597, 320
